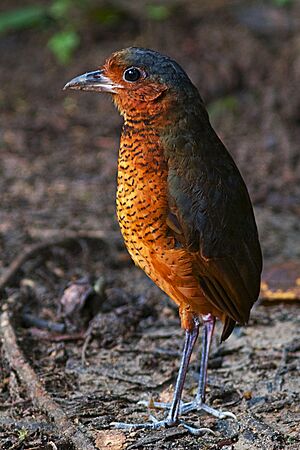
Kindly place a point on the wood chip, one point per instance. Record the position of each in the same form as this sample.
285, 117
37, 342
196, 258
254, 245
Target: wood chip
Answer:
110, 440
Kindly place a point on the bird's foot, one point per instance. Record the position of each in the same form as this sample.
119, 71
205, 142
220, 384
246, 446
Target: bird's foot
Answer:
199, 406
191, 406
165, 423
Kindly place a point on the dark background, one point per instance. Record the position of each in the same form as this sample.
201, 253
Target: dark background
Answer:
58, 157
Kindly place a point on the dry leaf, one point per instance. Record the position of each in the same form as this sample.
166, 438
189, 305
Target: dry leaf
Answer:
166, 396
281, 282
110, 440
75, 296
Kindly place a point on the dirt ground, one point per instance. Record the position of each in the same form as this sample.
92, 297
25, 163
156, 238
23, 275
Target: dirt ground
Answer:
58, 174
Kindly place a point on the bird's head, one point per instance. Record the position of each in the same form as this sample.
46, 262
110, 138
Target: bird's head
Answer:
138, 79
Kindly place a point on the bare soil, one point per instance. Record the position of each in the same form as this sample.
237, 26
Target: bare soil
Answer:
58, 173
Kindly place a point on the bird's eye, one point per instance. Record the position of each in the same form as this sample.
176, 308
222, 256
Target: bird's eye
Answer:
132, 74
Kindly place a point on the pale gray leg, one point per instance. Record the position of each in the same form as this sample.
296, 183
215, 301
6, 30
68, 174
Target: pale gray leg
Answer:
173, 416
198, 404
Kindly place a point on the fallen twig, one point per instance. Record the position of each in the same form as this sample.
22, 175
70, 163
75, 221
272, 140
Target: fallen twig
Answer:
9, 423
46, 336
29, 320
32, 250
35, 389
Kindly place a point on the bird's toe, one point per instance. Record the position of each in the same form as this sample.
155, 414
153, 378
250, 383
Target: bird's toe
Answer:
195, 406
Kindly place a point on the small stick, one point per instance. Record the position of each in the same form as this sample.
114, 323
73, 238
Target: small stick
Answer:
39, 396
46, 336
7, 422
29, 320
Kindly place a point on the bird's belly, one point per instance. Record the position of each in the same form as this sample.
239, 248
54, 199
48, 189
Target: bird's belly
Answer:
141, 211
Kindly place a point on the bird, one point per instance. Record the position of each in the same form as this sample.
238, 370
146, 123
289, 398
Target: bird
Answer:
183, 208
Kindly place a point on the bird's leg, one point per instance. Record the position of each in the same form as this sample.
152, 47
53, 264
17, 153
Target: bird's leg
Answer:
198, 404
190, 339
207, 334
172, 418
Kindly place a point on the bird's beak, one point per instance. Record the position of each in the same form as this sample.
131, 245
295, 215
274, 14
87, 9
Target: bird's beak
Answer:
93, 81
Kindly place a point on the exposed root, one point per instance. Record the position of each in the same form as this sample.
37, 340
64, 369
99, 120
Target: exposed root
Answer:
37, 393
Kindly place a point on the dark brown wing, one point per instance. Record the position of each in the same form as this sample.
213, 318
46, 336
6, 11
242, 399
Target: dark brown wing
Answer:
211, 216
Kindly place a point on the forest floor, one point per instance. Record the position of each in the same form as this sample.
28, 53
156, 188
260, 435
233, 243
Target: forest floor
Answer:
58, 176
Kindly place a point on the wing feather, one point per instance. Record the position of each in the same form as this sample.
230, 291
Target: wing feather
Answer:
211, 216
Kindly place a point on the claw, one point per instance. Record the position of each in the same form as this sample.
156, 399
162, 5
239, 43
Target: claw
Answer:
227, 415
197, 431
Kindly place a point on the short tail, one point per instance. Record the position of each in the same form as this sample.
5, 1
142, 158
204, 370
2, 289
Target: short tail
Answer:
228, 327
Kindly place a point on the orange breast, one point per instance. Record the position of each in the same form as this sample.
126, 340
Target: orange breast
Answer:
142, 208
142, 194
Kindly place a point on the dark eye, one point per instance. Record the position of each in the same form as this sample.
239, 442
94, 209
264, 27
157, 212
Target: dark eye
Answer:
132, 74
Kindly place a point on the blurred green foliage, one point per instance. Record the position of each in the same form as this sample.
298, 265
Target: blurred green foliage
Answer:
224, 105
66, 20
65, 37
63, 44
108, 15
59, 9
158, 12
282, 2
19, 19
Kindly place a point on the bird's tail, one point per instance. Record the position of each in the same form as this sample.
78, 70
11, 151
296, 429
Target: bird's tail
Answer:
227, 328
